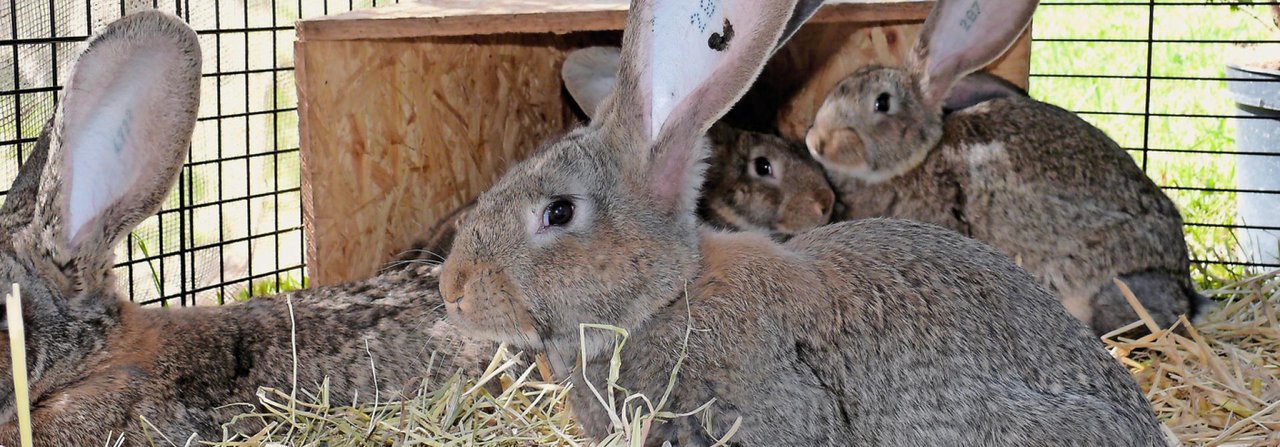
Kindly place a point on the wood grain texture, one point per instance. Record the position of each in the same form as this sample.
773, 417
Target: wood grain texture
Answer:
424, 18
395, 133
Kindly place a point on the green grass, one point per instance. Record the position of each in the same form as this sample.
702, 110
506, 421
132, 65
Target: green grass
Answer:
268, 286
1215, 137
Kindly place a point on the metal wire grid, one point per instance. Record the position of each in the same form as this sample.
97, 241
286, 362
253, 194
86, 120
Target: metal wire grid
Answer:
233, 225
234, 222
1144, 60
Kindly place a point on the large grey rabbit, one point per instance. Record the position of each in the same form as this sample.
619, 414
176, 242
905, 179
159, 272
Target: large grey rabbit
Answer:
99, 364
878, 332
1035, 181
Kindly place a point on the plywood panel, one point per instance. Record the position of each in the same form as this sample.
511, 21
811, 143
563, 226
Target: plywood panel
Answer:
423, 18
396, 133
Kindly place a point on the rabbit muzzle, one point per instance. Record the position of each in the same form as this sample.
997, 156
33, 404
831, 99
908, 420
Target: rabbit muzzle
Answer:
840, 148
483, 300
807, 211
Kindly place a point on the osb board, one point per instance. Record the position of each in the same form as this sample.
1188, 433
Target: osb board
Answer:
797, 79
396, 133
423, 18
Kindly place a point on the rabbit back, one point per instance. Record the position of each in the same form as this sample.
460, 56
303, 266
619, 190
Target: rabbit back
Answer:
1054, 192
188, 371
880, 332
945, 322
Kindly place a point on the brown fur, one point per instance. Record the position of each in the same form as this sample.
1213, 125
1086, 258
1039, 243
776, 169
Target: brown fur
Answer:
1038, 183
99, 365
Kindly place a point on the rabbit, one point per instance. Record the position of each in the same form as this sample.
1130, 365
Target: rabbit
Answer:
99, 364
875, 332
1035, 181
755, 181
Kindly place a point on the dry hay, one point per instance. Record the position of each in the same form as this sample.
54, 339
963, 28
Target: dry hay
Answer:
463, 412
1214, 383
1217, 382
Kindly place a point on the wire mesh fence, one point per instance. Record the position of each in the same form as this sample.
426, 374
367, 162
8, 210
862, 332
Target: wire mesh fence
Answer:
233, 225
1153, 75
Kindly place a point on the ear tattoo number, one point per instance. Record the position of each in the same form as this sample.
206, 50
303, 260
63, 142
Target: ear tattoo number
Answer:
971, 15
699, 19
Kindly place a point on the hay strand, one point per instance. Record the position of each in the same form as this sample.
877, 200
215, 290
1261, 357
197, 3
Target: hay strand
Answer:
18, 354
1215, 382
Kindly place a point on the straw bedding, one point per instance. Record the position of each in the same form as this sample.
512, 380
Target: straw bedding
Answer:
1214, 382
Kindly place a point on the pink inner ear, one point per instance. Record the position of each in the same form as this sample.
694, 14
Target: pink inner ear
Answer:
104, 130
966, 35
724, 70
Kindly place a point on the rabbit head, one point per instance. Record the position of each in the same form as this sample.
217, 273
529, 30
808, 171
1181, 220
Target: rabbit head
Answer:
883, 121
103, 164
599, 225
757, 181
754, 181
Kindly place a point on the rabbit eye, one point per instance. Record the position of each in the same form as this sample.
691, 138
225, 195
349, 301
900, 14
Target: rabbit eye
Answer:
558, 213
763, 167
882, 103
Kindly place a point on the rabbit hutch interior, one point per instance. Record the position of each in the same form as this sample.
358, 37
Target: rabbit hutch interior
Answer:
387, 97
331, 137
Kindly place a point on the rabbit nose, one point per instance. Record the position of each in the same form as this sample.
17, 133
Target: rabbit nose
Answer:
453, 282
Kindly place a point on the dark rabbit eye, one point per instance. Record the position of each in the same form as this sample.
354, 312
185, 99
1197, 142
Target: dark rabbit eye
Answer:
763, 167
882, 103
558, 213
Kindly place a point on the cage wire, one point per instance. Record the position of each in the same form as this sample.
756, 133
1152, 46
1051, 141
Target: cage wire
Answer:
1154, 76
233, 225
1151, 74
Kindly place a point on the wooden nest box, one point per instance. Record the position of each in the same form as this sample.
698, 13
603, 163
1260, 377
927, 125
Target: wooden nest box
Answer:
408, 111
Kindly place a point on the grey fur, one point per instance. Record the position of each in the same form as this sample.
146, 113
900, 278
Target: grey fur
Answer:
799, 197
880, 332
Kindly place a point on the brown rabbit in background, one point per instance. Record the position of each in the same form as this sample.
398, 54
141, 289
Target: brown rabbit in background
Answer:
98, 364
1035, 181
754, 181
877, 332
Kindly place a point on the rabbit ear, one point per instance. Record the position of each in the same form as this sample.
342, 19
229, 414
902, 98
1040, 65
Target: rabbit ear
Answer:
20, 201
684, 63
119, 136
961, 36
978, 87
589, 75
